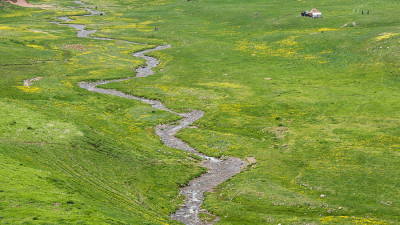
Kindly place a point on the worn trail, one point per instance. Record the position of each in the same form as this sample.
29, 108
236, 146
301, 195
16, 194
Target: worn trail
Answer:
218, 170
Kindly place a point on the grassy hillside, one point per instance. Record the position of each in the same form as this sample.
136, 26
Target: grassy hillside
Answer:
315, 101
68, 156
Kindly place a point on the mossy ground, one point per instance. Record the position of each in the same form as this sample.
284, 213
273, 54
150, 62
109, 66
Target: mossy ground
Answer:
323, 123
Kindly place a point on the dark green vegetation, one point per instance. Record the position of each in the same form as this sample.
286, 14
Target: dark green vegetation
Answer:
324, 128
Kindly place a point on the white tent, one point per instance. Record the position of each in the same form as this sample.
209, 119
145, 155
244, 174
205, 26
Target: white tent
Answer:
314, 13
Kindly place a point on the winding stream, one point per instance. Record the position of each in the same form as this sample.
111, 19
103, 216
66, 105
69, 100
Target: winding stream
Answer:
218, 170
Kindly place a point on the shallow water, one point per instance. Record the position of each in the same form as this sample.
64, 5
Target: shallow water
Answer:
218, 170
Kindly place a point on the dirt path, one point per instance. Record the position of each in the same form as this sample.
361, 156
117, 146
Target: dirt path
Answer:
218, 170
24, 3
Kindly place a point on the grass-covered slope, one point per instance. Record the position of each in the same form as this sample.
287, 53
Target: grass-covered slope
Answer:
72, 157
315, 101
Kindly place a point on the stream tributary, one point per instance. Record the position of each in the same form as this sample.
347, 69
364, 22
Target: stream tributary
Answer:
218, 170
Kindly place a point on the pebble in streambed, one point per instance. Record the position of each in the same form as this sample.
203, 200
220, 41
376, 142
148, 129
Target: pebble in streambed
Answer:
218, 170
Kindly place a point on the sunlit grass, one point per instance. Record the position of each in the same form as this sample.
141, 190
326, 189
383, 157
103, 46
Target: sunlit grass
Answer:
313, 101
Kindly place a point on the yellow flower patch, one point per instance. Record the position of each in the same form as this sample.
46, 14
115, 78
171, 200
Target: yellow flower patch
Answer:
36, 46
386, 36
67, 84
16, 14
160, 2
285, 48
28, 89
309, 57
142, 26
350, 220
288, 41
327, 29
7, 28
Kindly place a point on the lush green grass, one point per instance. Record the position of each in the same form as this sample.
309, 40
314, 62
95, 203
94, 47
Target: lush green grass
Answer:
69, 156
325, 124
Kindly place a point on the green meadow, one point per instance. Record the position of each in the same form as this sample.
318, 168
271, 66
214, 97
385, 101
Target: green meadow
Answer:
316, 103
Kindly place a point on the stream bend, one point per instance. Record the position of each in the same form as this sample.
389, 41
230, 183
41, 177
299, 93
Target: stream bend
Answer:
218, 170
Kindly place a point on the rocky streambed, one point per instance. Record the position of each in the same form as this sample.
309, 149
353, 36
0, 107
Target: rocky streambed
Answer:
218, 170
